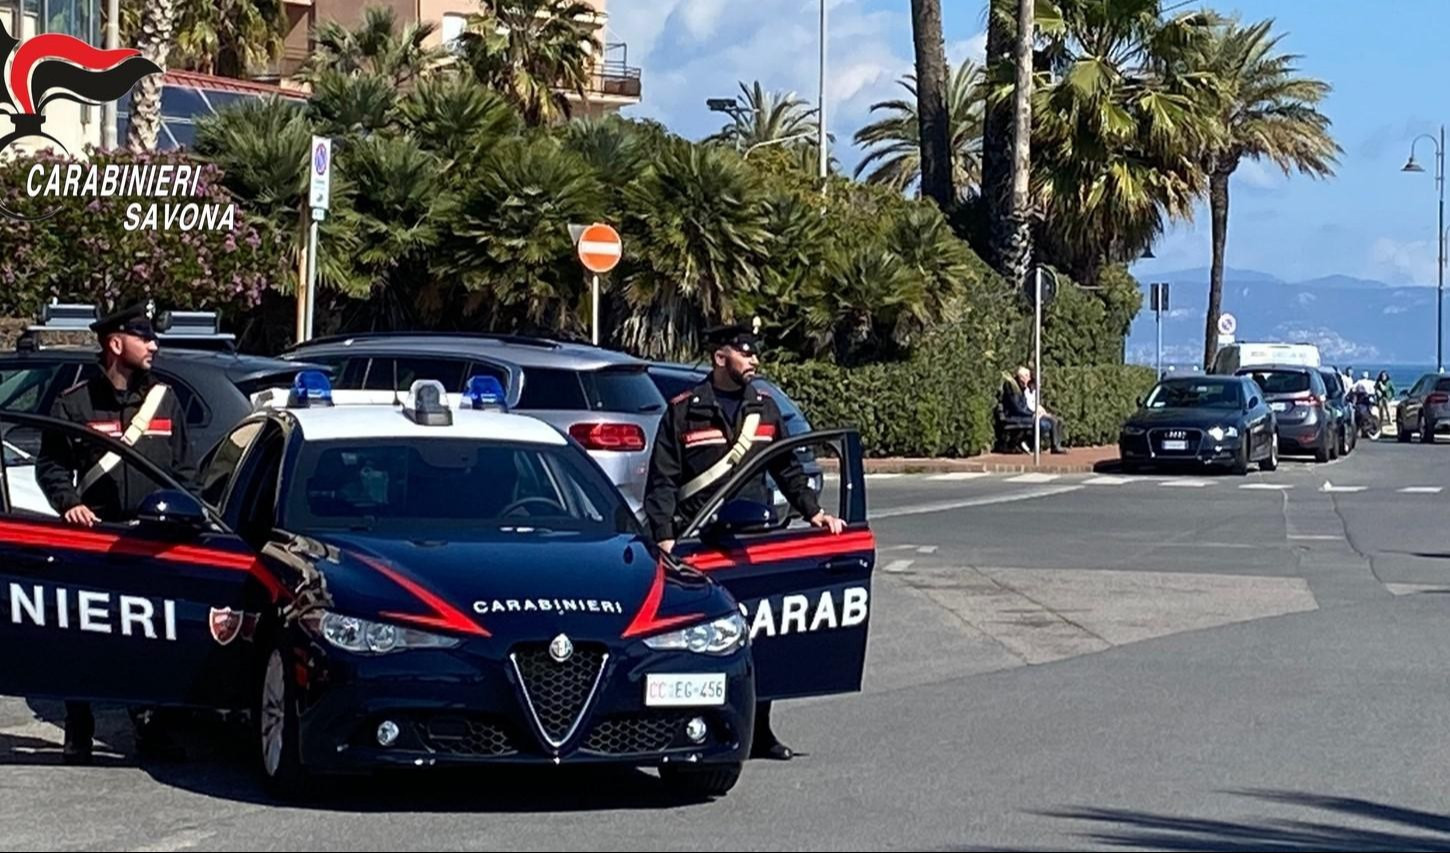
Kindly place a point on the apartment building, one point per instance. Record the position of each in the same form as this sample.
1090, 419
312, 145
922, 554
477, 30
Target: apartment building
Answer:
614, 83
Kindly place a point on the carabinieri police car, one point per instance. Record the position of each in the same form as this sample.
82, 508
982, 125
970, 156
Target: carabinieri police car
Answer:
437, 584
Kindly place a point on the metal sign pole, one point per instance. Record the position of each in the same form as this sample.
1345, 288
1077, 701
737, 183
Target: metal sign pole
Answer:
1159, 315
311, 296
595, 325
1037, 372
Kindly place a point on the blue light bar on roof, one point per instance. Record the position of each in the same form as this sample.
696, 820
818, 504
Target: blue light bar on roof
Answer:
310, 388
485, 392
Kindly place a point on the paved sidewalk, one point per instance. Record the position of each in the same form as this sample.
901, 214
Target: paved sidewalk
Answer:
1077, 460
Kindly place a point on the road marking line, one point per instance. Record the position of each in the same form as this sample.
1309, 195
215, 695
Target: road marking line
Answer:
883, 476
183, 840
1107, 481
1267, 487
959, 475
943, 506
926, 549
1422, 490
1185, 484
899, 566
1330, 487
1033, 478
1315, 537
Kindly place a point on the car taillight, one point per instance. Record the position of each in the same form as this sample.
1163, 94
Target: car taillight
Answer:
1308, 398
626, 437
1438, 398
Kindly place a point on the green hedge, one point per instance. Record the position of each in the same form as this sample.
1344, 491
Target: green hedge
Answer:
1094, 401
918, 408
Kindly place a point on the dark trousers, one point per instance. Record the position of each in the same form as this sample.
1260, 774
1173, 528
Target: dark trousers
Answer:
1052, 433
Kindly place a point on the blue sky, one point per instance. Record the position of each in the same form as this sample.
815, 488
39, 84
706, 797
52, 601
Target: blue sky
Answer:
1386, 60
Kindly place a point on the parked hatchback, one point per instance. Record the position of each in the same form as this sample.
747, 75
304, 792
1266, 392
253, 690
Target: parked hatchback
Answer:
1425, 408
1301, 403
1337, 401
601, 398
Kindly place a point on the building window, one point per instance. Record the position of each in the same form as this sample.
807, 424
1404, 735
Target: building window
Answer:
453, 27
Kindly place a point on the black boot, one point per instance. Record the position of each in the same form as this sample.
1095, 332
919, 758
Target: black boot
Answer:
765, 744
80, 732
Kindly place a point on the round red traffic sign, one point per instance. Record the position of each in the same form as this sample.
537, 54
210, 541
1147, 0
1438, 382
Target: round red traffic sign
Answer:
600, 248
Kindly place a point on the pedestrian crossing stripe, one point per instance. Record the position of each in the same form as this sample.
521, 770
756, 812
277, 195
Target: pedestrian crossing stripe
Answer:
1033, 478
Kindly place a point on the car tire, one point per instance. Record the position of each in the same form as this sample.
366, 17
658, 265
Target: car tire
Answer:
1132, 467
1403, 434
1271, 462
1240, 467
1334, 443
708, 781
279, 756
1345, 442
1321, 454
1427, 431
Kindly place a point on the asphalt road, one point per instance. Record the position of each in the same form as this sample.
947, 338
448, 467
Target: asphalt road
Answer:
1159, 662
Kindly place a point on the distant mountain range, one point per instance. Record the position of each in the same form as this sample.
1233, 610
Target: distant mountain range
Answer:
1352, 320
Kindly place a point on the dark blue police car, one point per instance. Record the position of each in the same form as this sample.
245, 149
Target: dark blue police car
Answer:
428, 585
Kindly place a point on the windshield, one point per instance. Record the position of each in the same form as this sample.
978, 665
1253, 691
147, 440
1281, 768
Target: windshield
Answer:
445, 486
1196, 395
1281, 381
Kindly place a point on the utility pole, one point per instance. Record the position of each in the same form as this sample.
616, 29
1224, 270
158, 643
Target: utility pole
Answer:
109, 119
824, 157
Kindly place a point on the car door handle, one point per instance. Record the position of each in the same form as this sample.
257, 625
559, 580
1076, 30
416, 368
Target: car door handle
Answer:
844, 564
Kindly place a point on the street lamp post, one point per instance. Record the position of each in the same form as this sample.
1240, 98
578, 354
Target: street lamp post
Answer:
1412, 166
821, 131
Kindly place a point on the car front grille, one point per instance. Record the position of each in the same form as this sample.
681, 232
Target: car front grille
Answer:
459, 735
633, 734
1192, 437
557, 693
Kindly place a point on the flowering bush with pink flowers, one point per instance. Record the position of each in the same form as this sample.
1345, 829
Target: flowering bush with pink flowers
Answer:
84, 251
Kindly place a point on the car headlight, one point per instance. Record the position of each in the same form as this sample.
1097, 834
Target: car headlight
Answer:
1219, 433
366, 637
716, 637
1133, 430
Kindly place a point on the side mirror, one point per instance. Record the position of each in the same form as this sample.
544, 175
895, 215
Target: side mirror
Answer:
171, 508
741, 516
1253, 402
1140, 401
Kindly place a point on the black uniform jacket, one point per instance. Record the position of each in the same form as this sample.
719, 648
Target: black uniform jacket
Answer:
96, 403
694, 435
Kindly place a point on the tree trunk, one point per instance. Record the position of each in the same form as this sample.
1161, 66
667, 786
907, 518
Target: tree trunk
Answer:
1218, 207
155, 45
931, 103
997, 130
1016, 241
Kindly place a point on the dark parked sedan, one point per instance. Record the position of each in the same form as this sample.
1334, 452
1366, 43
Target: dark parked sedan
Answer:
1202, 420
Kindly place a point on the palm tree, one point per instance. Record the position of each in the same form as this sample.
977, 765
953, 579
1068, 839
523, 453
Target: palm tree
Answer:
230, 38
699, 217
931, 99
376, 47
1121, 124
1000, 72
1265, 111
767, 118
533, 52
893, 142
154, 41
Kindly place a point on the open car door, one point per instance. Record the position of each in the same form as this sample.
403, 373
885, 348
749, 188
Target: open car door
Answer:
805, 592
160, 609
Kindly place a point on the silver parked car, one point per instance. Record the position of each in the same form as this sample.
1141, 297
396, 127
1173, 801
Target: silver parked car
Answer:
605, 400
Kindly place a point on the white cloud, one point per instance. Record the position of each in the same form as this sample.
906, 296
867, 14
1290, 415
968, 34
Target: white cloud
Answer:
1403, 261
691, 50
974, 48
1256, 175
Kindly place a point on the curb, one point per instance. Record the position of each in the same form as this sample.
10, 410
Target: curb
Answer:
1104, 459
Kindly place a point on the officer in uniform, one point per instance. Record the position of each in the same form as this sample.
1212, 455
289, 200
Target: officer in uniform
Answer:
86, 484
704, 434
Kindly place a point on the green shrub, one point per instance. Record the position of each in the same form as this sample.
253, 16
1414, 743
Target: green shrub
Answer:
922, 408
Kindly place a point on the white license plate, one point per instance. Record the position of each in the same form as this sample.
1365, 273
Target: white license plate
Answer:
1175, 445
673, 690
1279, 407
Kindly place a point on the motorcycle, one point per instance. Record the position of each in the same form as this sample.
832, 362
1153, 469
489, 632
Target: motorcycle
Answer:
1366, 415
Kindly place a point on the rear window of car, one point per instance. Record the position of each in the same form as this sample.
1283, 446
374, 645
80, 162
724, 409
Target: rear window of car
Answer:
23, 389
628, 390
1443, 385
550, 388
673, 384
1281, 381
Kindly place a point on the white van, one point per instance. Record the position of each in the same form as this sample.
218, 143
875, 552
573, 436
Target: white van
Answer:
1231, 357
